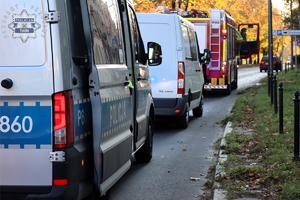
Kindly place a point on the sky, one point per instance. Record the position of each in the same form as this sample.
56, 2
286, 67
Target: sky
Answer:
278, 3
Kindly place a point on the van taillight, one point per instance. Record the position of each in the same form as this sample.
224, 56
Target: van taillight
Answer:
60, 182
63, 120
180, 84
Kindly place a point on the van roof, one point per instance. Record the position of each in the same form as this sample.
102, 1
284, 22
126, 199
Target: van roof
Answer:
159, 17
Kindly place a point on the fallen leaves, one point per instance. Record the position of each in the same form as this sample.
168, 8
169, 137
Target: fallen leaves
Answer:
195, 179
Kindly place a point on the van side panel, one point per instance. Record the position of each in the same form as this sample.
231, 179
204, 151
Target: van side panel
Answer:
193, 72
110, 95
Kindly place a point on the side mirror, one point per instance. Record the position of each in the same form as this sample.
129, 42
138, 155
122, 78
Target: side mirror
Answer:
154, 54
207, 55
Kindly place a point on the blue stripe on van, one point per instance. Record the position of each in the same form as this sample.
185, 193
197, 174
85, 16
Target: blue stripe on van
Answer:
116, 114
82, 118
25, 125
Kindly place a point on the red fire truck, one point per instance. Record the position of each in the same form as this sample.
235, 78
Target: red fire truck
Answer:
217, 33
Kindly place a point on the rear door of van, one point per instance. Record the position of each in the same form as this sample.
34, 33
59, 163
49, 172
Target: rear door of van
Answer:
26, 76
164, 76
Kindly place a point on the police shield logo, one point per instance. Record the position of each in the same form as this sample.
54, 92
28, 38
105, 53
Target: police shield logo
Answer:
24, 26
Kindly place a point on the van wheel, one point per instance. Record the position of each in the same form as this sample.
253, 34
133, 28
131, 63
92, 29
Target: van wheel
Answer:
198, 111
96, 196
184, 119
144, 154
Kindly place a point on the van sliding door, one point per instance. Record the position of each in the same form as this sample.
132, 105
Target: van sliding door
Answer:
109, 93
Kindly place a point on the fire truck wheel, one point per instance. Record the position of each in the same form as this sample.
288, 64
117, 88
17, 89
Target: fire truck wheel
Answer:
234, 85
228, 90
144, 154
198, 111
183, 120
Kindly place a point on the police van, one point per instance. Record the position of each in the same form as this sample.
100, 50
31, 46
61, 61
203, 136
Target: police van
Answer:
75, 97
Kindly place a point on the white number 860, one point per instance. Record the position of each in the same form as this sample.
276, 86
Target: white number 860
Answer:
15, 126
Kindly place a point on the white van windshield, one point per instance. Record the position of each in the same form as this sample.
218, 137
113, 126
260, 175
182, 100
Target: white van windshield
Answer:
21, 36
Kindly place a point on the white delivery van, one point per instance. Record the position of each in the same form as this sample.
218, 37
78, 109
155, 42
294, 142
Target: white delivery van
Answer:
177, 83
75, 97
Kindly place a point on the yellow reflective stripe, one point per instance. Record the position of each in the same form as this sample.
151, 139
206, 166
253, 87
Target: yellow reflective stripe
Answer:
224, 49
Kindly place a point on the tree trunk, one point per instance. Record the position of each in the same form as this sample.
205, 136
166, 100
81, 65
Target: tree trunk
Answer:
187, 5
173, 4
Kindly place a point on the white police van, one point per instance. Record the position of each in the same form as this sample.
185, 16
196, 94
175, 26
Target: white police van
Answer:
75, 98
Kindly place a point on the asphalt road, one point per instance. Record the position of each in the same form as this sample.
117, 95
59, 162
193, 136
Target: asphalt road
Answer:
181, 158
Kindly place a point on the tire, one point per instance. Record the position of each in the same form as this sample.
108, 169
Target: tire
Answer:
144, 154
234, 85
228, 90
198, 111
96, 196
183, 120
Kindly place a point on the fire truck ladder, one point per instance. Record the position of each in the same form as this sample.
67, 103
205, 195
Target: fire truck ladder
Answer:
215, 31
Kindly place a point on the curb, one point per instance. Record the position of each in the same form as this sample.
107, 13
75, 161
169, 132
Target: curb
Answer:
220, 194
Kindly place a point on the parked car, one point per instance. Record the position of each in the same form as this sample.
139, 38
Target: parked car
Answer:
264, 64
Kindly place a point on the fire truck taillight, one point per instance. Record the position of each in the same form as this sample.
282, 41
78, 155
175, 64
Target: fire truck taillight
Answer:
63, 122
224, 68
224, 27
224, 33
180, 81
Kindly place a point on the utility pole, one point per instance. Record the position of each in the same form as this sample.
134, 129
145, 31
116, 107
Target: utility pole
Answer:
291, 27
270, 70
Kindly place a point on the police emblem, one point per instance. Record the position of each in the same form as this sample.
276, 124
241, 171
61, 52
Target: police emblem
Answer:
24, 26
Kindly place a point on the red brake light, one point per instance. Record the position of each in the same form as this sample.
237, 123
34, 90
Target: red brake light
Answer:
180, 81
60, 182
224, 33
224, 67
63, 120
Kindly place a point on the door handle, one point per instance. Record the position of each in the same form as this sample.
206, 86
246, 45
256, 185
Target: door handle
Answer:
141, 79
126, 83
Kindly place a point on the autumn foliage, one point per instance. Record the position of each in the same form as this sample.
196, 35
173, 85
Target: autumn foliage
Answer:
243, 11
